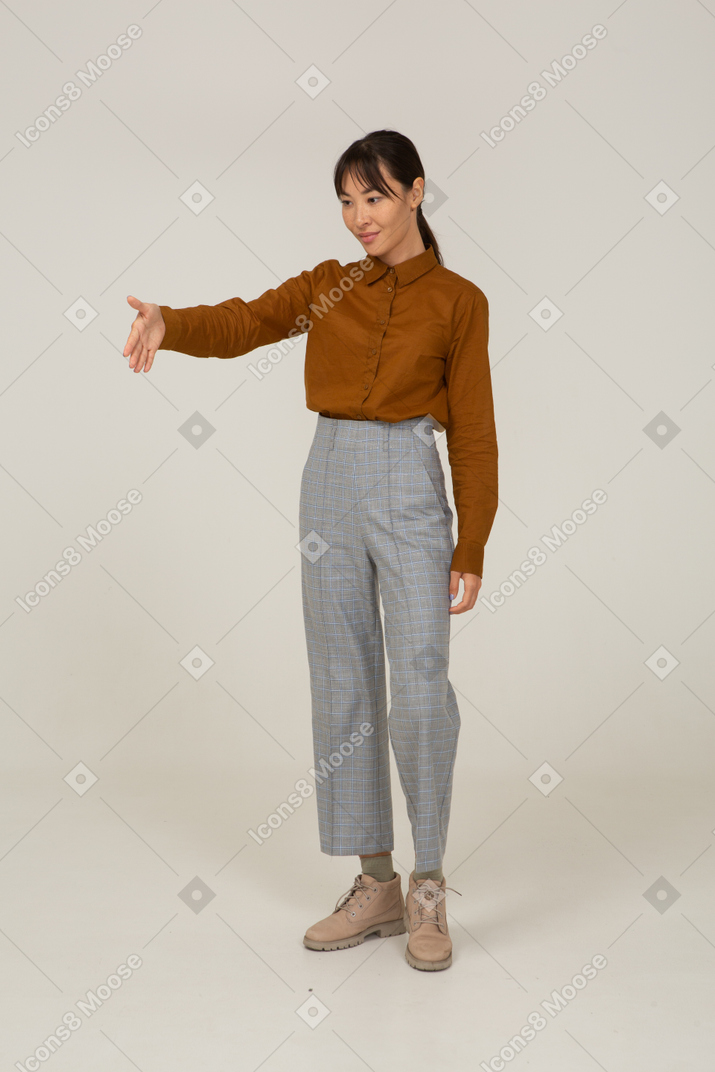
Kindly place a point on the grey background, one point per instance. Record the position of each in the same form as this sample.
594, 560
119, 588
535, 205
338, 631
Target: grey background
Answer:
616, 857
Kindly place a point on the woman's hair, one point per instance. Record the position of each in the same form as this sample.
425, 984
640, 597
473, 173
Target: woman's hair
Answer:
402, 162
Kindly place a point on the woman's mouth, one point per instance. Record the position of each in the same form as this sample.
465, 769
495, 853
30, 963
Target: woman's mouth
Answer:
368, 236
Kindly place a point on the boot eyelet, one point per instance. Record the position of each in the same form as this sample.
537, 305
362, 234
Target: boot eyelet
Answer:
352, 913
367, 897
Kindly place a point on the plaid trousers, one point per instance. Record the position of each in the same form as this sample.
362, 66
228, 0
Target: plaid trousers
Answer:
375, 523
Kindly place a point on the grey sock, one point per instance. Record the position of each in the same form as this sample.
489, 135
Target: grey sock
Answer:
379, 867
436, 875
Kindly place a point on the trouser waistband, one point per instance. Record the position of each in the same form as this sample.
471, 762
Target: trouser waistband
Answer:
350, 431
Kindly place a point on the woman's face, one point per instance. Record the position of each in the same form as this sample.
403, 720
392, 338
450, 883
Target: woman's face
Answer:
379, 222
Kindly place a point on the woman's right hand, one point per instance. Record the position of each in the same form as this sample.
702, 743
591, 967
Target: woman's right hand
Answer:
146, 335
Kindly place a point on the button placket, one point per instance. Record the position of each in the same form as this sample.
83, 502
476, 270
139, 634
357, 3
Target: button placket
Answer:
372, 351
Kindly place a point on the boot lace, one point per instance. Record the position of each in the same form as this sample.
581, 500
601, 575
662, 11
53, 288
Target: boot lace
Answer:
429, 903
358, 887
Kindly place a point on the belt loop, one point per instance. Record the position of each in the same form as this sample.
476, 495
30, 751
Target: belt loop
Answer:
332, 429
385, 436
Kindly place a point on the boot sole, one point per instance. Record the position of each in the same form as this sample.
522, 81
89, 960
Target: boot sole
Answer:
424, 965
383, 930
427, 965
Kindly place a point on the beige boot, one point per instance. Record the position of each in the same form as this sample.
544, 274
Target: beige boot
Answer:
368, 907
429, 947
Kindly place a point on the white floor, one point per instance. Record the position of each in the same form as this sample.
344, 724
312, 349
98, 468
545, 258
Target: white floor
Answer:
549, 884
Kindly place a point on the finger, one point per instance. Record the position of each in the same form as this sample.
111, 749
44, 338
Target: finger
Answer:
469, 602
149, 360
454, 608
133, 336
137, 352
466, 603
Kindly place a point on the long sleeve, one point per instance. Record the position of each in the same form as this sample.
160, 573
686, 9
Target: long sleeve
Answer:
471, 435
235, 327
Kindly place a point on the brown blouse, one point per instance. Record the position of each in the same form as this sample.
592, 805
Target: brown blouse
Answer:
383, 344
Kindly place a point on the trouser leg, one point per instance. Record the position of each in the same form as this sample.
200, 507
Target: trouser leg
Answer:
346, 660
407, 529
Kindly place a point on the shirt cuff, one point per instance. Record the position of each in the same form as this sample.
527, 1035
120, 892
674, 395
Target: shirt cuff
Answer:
468, 558
174, 328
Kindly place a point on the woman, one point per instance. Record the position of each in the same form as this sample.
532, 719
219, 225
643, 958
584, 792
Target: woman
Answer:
396, 344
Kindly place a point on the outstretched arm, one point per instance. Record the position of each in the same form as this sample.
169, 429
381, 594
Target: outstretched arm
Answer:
229, 329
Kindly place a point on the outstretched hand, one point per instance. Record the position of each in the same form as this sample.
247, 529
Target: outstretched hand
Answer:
146, 335
472, 584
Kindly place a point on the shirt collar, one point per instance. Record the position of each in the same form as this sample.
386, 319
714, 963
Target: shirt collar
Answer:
406, 271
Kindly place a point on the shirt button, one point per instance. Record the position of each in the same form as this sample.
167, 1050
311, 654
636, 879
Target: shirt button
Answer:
373, 351
392, 269
389, 288
381, 321
365, 386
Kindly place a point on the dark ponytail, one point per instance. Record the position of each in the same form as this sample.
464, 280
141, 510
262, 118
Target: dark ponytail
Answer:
402, 162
